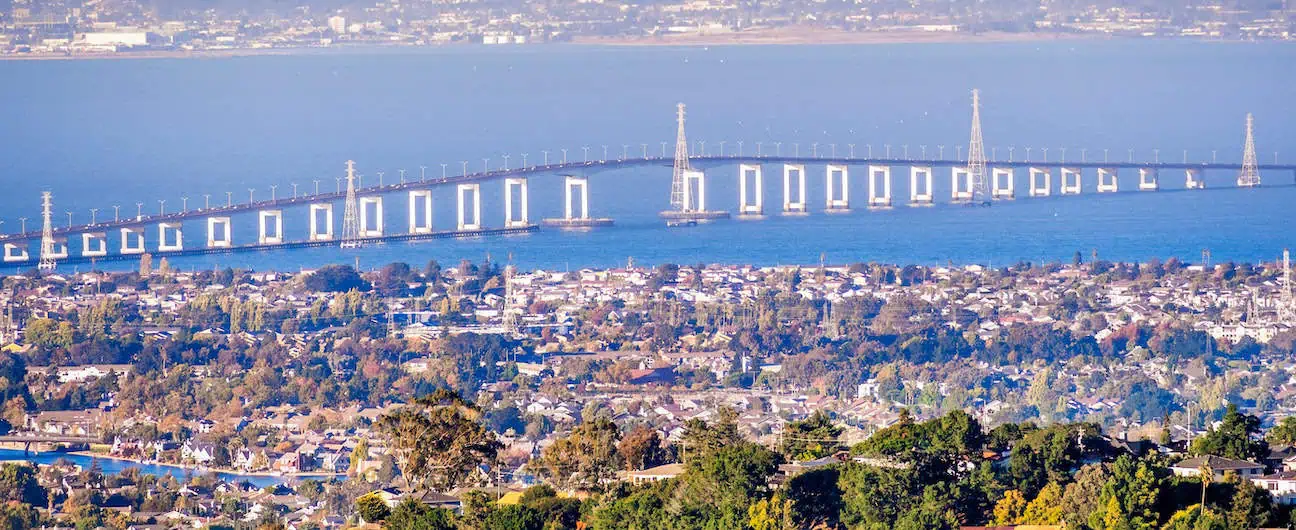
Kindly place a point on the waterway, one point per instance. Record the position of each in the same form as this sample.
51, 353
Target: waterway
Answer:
105, 133
113, 465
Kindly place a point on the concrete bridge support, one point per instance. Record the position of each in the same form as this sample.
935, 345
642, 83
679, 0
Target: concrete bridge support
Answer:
223, 227
13, 253
371, 227
960, 184
694, 202
756, 204
1195, 180
1001, 183
879, 197
791, 171
1148, 179
920, 186
316, 210
1041, 182
524, 219
60, 249
273, 235
837, 184
476, 222
1108, 180
166, 241
94, 244
1070, 181
580, 184
420, 206
132, 241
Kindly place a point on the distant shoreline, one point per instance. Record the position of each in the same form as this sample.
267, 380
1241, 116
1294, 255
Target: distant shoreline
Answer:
770, 37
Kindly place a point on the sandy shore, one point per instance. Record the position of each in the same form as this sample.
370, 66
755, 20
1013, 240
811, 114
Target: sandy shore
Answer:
779, 36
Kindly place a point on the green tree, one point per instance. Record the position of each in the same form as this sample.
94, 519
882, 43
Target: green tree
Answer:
18, 483
413, 515
1284, 432
811, 438
514, 517
1193, 518
1129, 498
372, 508
437, 441
1233, 438
1045, 508
702, 438
584, 459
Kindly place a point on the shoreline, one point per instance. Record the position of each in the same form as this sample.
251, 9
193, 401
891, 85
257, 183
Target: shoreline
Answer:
208, 470
762, 37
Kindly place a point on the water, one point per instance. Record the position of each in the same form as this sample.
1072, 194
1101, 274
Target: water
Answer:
104, 133
111, 466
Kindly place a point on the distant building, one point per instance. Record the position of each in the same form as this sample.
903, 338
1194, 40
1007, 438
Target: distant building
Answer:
1219, 466
115, 38
337, 23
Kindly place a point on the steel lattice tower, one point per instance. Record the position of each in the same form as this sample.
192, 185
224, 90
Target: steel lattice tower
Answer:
681, 163
1287, 310
1249, 177
351, 211
47, 262
976, 162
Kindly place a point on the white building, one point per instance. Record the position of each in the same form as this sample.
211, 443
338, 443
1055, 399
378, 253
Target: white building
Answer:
337, 23
115, 38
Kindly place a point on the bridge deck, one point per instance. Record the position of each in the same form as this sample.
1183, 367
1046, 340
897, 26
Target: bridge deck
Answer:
600, 165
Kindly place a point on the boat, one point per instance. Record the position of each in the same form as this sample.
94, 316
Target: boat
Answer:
681, 222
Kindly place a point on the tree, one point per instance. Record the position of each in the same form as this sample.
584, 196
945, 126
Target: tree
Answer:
702, 438
1009, 510
1250, 507
335, 279
812, 438
18, 482
514, 517
1046, 508
641, 449
1193, 518
437, 440
1129, 498
372, 508
413, 515
730, 478
771, 514
1082, 496
1233, 438
584, 459
1284, 432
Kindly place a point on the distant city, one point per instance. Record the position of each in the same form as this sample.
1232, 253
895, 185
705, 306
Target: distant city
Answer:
93, 27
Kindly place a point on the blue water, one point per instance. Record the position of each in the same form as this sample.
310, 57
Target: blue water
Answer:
104, 133
111, 466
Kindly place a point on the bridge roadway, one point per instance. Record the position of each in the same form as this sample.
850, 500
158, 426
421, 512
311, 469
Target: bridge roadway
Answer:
609, 164
42, 438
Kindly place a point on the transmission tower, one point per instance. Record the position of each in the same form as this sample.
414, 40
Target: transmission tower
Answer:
1249, 177
1287, 310
976, 162
681, 163
351, 212
47, 262
510, 319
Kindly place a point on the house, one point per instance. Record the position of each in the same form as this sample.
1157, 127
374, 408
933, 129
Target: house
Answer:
202, 453
1219, 467
655, 474
1281, 486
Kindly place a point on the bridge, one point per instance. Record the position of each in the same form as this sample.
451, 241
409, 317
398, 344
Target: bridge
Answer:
29, 439
975, 179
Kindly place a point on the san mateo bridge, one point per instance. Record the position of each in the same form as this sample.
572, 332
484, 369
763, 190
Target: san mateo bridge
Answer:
976, 179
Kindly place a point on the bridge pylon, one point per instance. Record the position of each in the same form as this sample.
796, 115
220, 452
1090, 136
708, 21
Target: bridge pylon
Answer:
351, 211
47, 255
976, 162
1249, 177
